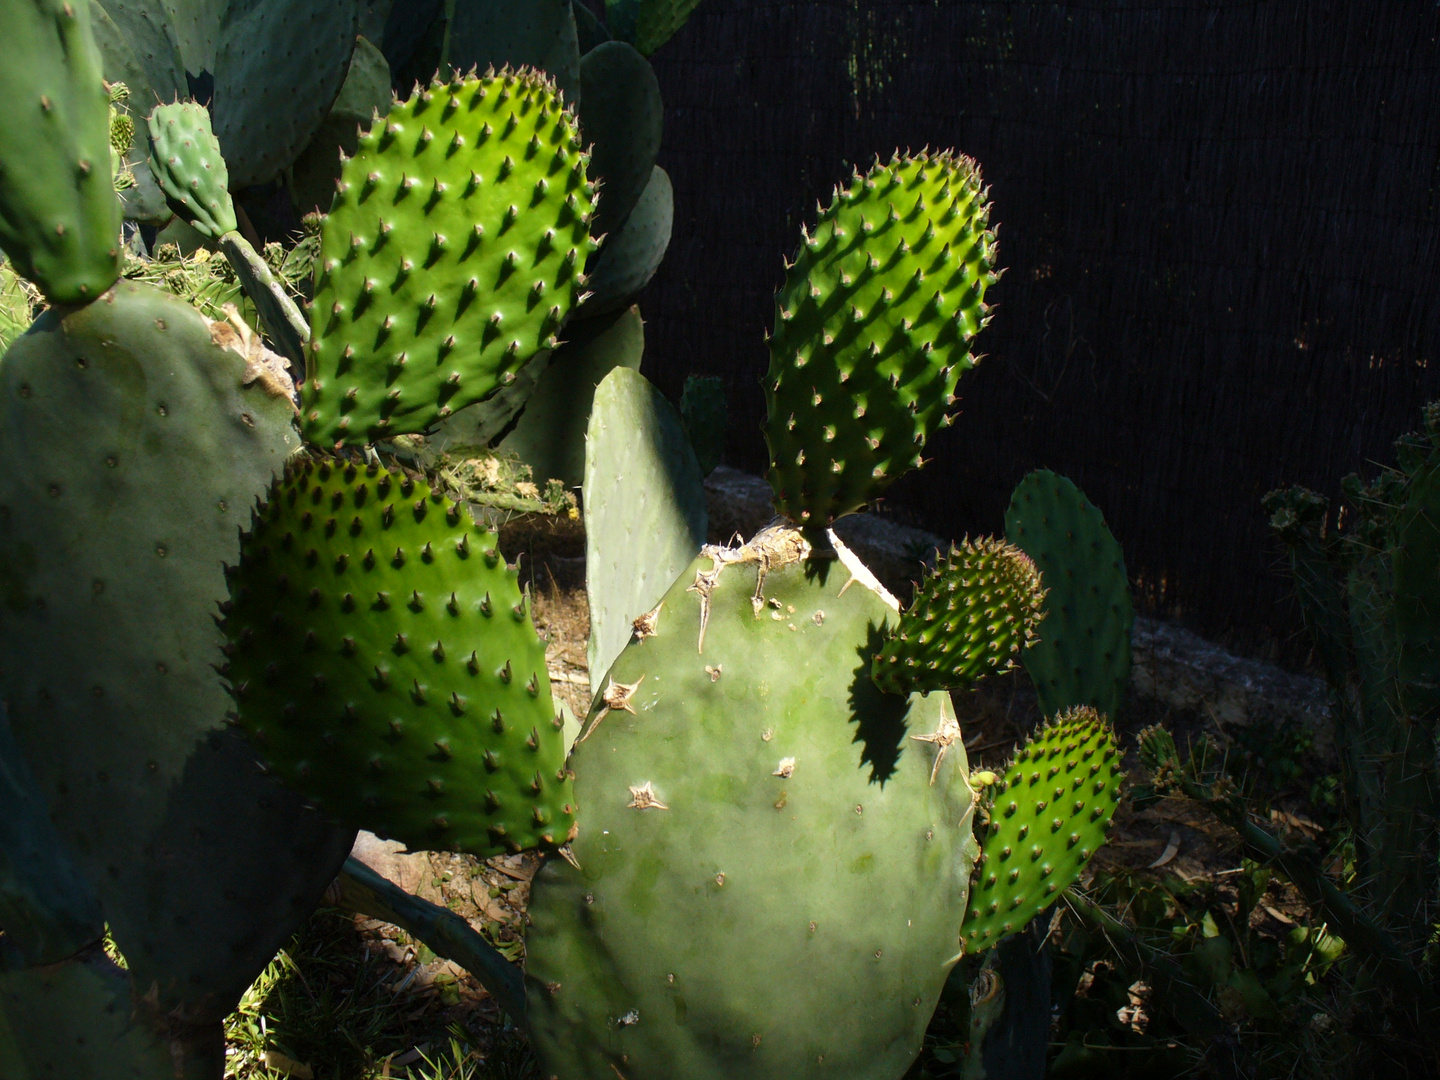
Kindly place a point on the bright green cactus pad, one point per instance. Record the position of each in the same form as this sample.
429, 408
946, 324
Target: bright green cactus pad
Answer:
1050, 814
872, 330
383, 659
59, 216
1082, 656
769, 885
971, 616
185, 161
453, 252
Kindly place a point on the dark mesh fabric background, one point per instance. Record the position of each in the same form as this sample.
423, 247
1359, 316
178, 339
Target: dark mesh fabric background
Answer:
1218, 222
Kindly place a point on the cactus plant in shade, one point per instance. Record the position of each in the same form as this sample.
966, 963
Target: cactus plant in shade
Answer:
1369, 597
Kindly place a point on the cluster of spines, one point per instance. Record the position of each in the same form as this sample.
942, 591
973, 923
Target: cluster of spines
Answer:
872, 330
971, 616
423, 378
1049, 816
285, 535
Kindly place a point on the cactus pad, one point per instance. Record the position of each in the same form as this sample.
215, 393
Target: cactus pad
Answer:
1083, 654
1051, 813
872, 330
185, 161
383, 659
769, 886
971, 616
452, 254
113, 532
279, 65
59, 216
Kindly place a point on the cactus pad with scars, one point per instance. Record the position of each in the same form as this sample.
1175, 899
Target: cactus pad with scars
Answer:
59, 216
383, 659
872, 332
112, 537
452, 254
185, 161
1050, 814
768, 886
971, 616
1082, 656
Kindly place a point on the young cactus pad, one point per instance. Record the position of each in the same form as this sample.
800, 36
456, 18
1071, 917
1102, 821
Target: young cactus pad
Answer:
453, 252
59, 217
971, 615
1083, 654
872, 332
382, 657
185, 161
769, 885
1051, 813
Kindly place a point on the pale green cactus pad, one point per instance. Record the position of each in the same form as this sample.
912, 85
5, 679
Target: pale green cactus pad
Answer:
383, 659
971, 616
769, 885
1050, 815
452, 254
872, 332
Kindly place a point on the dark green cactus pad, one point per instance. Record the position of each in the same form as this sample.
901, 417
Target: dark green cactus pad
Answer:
59, 216
113, 533
550, 434
647, 24
588, 27
365, 94
279, 65
971, 616
47, 908
74, 1020
197, 27
639, 468
185, 161
451, 256
629, 260
279, 314
383, 659
538, 34
1050, 815
621, 116
872, 330
702, 411
1083, 655
769, 885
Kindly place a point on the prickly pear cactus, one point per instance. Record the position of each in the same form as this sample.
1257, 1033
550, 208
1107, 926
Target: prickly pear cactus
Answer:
872, 332
1082, 656
113, 532
1050, 814
382, 657
452, 254
769, 884
185, 161
59, 216
972, 615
